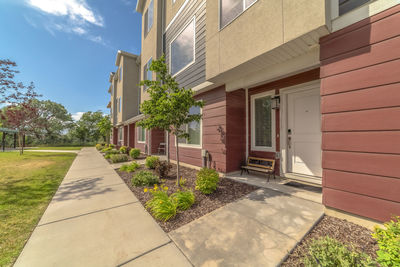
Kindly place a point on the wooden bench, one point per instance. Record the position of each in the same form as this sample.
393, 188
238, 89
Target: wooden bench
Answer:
261, 165
161, 147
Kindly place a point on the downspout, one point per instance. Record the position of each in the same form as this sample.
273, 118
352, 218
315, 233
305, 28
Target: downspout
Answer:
247, 121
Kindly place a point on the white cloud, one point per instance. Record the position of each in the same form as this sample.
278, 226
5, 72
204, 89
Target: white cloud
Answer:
77, 11
76, 116
79, 30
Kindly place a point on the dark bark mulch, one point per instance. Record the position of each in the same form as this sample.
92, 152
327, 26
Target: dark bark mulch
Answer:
342, 230
227, 191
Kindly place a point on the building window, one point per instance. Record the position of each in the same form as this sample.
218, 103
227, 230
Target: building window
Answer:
119, 104
348, 5
148, 18
182, 49
141, 134
231, 9
147, 73
193, 129
262, 123
121, 133
120, 74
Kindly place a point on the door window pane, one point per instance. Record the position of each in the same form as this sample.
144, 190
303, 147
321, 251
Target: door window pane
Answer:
263, 121
141, 134
182, 49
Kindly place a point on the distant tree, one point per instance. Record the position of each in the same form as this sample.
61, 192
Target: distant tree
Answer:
168, 106
54, 119
86, 130
105, 126
20, 112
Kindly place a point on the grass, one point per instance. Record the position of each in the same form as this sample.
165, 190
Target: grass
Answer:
27, 184
58, 148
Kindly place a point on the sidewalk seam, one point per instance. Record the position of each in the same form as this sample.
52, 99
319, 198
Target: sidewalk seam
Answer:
85, 214
144, 253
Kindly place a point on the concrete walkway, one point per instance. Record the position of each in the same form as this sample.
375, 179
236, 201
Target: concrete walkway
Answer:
258, 230
95, 220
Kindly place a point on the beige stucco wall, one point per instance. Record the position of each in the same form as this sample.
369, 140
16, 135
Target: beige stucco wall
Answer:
262, 27
119, 93
151, 43
130, 82
171, 9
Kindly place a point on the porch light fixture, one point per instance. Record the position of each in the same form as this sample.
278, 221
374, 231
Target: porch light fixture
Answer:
275, 102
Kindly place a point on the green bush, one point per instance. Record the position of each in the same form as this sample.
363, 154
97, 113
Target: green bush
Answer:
161, 206
144, 178
389, 243
112, 152
183, 199
130, 167
99, 146
108, 156
111, 146
330, 252
122, 149
115, 158
207, 180
162, 168
134, 153
151, 162
106, 149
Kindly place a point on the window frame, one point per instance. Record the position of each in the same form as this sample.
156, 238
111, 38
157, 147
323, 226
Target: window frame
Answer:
146, 18
120, 74
193, 19
272, 148
146, 71
139, 128
199, 146
238, 15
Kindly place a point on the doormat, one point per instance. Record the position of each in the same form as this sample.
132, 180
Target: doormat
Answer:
307, 187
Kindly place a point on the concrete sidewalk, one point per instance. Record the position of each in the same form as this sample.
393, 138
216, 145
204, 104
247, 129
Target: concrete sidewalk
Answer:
95, 220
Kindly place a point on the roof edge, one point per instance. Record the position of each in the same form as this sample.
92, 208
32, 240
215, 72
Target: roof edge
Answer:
126, 54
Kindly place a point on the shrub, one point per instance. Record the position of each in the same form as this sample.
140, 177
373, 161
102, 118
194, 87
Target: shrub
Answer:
330, 252
108, 156
115, 158
161, 206
389, 243
144, 178
106, 149
183, 199
134, 153
99, 146
129, 167
122, 149
111, 146
112, 151
151, 162
207, 180
162, 168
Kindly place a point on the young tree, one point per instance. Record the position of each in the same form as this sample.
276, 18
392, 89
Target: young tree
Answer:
20, 112
105, 126
168, 106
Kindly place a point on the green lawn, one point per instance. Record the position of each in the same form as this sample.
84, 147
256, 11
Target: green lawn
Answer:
58, 148
27, 184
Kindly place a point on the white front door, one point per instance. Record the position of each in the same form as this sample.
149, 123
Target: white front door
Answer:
304, 133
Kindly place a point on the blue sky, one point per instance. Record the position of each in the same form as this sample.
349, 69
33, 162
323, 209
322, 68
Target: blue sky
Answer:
68, 47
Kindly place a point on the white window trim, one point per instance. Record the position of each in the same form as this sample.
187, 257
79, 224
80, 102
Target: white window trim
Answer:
273, 122
194, 49
145, 133
200, 146
220, 10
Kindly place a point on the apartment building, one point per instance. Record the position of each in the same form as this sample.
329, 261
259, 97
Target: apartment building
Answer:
125, 97
313, 84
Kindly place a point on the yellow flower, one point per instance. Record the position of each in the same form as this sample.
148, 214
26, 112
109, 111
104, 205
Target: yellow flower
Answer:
166, 188
145, 190
160, 202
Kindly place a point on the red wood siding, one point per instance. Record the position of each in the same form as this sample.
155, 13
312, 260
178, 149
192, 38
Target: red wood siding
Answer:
126, 137
157, 137
360, 105
214, 133
132, 134
277, 85
115, 136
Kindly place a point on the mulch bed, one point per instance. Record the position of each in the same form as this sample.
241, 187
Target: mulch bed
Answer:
227, 191
342, 230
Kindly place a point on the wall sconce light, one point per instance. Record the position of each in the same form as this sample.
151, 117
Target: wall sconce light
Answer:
275, 102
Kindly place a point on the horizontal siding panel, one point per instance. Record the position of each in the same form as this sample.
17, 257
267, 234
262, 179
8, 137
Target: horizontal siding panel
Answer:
213, 139
215, 121
366, 120
375, 97
377, 142
377, 209
367, 163
376, 75
369, 185
363, 57
213, 129
364, 36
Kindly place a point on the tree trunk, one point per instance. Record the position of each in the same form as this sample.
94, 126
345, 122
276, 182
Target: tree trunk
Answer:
167, 148
19, 144
177, 161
